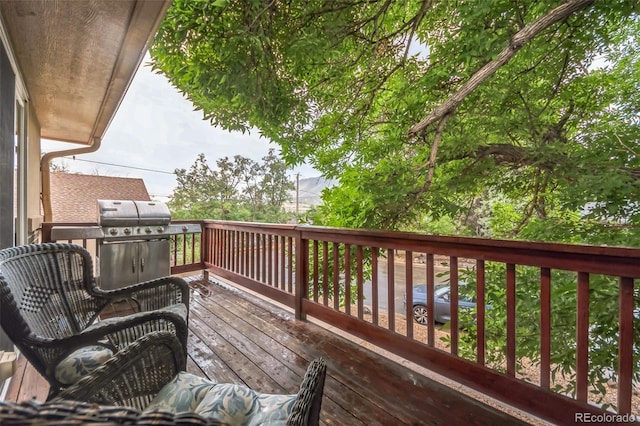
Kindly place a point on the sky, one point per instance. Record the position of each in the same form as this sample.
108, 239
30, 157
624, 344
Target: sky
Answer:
156, 128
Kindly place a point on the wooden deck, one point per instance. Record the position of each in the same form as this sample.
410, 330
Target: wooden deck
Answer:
237, 337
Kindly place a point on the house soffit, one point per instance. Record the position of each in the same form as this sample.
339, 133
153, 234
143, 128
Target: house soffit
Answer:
77, 58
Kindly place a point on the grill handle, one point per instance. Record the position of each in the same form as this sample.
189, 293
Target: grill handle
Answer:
133, 264
142, 264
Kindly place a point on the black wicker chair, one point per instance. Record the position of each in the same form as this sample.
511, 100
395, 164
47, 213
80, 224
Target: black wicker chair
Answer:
49, 306
108, 384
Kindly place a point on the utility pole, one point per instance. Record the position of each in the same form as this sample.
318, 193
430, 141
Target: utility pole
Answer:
297, 195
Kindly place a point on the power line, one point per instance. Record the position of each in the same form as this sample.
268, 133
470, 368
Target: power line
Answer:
120, 165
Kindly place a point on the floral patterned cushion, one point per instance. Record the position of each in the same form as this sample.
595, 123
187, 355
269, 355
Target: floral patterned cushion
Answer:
80, 363
182, 394
239, 405
227, 403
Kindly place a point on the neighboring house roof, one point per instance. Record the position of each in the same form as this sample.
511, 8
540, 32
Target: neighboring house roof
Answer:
74, 196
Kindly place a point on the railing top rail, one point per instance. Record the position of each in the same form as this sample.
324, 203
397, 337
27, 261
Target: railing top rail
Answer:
394, 238
314, 231
257, 225
619, 261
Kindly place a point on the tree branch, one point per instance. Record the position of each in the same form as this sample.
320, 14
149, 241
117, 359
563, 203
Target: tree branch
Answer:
519, 39
432, 157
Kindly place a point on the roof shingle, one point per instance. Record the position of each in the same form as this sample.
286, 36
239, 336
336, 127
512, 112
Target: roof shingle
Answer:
74, 196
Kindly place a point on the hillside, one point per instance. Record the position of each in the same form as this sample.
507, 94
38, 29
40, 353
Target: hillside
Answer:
309, 193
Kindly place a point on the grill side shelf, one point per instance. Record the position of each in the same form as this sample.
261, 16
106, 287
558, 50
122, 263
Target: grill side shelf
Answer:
76, 233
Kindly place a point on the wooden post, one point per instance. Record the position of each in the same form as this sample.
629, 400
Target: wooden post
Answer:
302, 267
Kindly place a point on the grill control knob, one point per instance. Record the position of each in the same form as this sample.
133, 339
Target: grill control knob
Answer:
113, 231
148, 230
160, 229
185, 228
127, 231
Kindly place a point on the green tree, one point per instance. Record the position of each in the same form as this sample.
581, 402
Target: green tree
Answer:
517, 119
515, 101
237, 189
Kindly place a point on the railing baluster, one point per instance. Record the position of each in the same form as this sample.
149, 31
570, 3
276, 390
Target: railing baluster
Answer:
236, 251
242, 251
259, 256
220, 248
253, 254
302, 274
360, 281
225, 247
582, 337
325, 273
175, 249
249, 253
480, 308
431, 307
283, 263
625, 345
228, 249
374, 284
336, 276
290, 263
545, 327
316, 269
235, 266
455, 295
269, 256
230, 259
276, 263
391, 275
511, 320
264, 257
347, 279
193, 248
408, 288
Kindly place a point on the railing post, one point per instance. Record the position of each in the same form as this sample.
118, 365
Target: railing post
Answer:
301, 263
205, 255
46, 232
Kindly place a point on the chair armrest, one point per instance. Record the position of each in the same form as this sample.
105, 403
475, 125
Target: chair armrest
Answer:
134, 375
306, 409
118, 331
153, 294
122, 331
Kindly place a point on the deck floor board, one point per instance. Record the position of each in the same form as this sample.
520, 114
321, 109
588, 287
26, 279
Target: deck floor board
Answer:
237, 337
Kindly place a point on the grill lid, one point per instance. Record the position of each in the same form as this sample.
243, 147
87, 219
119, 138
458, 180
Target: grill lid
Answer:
153, 213
132, 213
117, 213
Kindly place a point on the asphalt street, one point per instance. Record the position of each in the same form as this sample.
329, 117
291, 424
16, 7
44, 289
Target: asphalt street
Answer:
419, 277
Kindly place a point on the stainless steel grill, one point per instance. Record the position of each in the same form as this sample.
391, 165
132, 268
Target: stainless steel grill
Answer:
133, 240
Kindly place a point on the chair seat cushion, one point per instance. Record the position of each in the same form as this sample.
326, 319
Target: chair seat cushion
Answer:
182, 394
239, 405
81, 362
224, 402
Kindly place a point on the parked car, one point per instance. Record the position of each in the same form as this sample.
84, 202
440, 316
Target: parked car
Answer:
442, 310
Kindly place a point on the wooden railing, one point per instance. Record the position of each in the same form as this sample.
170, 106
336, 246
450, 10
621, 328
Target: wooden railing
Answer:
304, 267
371, 272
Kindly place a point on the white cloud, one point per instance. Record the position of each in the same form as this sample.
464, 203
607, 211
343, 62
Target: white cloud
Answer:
157, 128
